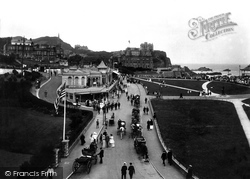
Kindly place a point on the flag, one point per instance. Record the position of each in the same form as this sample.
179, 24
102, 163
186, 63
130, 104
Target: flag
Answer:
61, 93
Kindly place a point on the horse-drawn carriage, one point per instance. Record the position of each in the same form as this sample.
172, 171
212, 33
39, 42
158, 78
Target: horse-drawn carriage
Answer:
136, 130
88, 157
135, 115
121, 129
137, 101
140, 147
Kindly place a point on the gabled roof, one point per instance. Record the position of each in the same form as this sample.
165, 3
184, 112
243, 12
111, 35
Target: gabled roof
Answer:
246, 68
102, 65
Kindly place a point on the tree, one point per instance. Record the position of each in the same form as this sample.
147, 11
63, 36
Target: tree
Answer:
75, 60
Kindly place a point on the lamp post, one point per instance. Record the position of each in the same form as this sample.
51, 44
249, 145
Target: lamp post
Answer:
104, 114
239, 70
160, 90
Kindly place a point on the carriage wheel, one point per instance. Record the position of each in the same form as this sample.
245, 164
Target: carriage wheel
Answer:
89, 165
75, 166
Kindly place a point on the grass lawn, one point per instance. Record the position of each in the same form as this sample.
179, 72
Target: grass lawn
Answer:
206, 134
247, 101
166, 90
247, 111
191, 84
230, 88
25, 131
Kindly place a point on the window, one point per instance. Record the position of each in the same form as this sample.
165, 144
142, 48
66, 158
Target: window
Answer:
70, 81
76, 81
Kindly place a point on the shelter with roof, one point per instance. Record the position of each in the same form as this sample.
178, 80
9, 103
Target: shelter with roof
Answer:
89, 83
245, 71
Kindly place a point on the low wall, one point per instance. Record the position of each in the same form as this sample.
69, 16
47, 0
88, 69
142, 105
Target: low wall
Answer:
175, 161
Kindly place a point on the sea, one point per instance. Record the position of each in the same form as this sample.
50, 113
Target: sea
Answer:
235, 68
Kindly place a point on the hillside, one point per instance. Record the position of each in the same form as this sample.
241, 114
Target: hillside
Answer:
53, 41
161, 59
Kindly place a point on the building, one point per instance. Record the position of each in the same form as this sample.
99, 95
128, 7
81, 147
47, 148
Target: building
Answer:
21, 47
89, 83
25, 48
138, 57
245, 71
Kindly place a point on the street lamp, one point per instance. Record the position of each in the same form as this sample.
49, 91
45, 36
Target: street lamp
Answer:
104, 114
160, 90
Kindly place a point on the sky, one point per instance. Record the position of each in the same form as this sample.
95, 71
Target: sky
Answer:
109, 25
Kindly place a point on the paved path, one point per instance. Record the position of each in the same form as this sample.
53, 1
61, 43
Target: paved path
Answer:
124, 150
154, 146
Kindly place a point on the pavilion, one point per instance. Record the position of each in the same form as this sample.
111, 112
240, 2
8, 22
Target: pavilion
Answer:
89, 83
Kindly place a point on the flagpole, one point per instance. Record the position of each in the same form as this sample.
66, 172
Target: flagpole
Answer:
64, 117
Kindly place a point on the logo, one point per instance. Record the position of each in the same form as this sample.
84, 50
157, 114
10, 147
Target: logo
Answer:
210, 28
7, 173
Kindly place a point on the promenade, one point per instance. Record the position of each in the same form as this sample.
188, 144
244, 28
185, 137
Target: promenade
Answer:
124, 150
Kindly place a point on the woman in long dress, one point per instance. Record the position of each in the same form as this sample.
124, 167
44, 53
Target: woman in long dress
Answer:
103, 141
111, 140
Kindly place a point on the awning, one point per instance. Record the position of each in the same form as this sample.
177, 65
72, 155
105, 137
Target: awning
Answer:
116, 72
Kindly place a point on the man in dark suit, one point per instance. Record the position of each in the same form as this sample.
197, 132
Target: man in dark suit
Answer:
131, 170
164, 157
101, 154
124, 170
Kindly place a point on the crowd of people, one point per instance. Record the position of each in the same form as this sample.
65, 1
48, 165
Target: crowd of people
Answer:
106, 140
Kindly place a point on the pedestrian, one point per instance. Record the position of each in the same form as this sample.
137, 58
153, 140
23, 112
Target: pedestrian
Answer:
148, 125
181, 95
131, 170
124, 170
147, 109
128, 98
119, 105
104, 141
144, 151
101, 138
50, 172
82, 138
106, 124
170, 160
101, 154
116, 106
163, 157
154, 116
151, 124
111, 140
144, 110
107, 140
146, 100
97, 123
105, 133
98, 108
